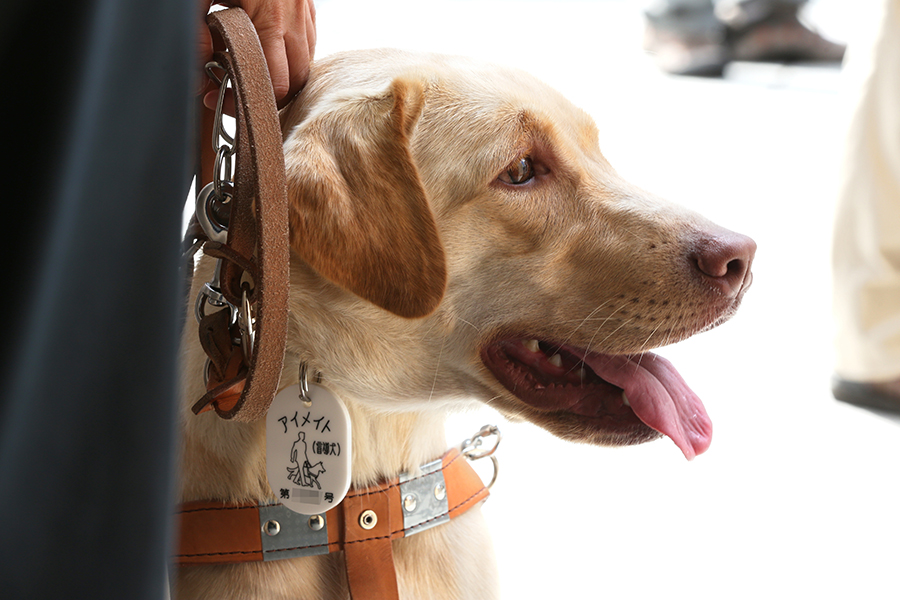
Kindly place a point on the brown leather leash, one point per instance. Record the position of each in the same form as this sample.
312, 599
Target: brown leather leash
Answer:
362, 526
244, 225
242, 315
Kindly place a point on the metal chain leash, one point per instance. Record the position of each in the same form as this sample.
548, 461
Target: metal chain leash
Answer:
213, 211
213, 202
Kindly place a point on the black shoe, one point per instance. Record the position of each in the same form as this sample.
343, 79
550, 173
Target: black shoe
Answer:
782, 38
699, 55
881, 396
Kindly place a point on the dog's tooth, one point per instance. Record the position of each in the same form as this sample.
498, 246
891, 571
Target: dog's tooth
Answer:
532, 345
555, 360
582, 373
625, 400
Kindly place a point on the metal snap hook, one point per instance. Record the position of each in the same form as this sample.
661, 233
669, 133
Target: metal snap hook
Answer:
211, 217
211, 293
247, 325
471, 447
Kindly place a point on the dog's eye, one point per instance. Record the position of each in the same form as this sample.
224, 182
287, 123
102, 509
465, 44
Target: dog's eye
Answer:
521, 171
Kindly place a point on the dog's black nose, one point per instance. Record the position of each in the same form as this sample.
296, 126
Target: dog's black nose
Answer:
724, 260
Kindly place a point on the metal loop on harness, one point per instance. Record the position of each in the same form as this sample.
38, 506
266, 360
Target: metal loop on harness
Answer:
472, 448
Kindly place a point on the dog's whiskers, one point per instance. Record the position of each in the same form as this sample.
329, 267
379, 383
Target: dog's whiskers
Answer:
437, 369
614, 331
472, 325
584, 320
604, 320
644, 346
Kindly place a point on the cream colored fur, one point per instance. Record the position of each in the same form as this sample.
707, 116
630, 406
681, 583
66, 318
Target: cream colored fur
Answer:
561, 259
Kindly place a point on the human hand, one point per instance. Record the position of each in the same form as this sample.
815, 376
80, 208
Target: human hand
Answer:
287, 33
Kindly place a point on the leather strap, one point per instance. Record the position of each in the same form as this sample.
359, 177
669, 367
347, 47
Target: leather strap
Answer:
239, 387
214, 532
369, 553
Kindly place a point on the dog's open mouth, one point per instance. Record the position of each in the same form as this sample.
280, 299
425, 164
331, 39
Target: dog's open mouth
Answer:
612, 392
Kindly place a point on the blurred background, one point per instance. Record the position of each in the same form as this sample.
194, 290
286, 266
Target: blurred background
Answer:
798, 496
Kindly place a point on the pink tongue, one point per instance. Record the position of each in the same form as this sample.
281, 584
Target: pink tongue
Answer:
659, 397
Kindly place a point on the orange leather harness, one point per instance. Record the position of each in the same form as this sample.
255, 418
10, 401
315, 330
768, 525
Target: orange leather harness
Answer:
362, 526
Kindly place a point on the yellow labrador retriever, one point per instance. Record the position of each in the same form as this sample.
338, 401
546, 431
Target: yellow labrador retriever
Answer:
458, 236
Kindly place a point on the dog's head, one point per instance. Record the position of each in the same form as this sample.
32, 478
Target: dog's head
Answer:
464, 236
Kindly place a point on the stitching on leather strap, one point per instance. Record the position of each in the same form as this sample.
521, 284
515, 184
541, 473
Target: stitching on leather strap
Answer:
306, 547
228, 553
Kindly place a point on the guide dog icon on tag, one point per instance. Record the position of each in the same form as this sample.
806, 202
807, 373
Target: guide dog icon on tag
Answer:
308, 449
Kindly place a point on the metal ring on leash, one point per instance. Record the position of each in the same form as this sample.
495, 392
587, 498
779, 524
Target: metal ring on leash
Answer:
223, 185
222, 83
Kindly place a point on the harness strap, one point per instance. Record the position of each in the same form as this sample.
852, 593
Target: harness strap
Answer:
362, 526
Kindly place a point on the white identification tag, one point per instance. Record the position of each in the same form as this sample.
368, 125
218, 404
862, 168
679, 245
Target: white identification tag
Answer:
308, 449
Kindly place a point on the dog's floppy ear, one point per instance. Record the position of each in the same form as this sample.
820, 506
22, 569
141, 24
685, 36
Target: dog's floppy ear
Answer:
358, 212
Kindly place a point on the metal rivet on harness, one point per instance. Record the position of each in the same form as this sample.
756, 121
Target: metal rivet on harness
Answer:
440, 492
316, 522
409, 503
368, 519
272, 528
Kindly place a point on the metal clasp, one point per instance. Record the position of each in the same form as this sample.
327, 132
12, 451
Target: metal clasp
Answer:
247, 324
211, 293
214, 211
473, 448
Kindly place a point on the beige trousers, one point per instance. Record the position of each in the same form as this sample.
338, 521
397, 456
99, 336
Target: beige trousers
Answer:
866, 258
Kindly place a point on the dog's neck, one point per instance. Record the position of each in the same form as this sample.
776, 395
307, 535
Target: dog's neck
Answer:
387, 444
226, 460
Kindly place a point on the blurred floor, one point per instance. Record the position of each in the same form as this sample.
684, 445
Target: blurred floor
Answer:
798, 496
